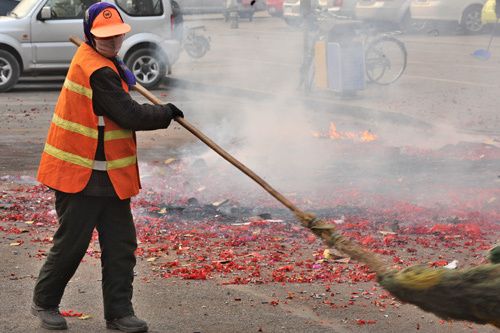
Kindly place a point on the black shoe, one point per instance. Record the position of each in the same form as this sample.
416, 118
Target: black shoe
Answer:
129, 324
50, 318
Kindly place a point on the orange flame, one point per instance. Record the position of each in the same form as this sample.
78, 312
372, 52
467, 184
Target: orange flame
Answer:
368, 136
333, 133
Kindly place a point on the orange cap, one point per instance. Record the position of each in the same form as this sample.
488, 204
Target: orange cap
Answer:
108, 23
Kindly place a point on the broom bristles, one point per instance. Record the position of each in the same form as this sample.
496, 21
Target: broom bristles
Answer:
471, 294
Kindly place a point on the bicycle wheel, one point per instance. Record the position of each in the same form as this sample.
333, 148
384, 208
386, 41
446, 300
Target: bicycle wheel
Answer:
198, 47
385, 60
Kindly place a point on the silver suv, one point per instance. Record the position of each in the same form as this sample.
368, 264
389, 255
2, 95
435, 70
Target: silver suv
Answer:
34, 38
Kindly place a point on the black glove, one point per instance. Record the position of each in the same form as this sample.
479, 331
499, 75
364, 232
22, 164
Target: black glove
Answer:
176, 112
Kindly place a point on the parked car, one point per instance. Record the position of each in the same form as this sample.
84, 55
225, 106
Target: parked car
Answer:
467, 13
292, 11
393, 12
7, 5
275, 7
34, 38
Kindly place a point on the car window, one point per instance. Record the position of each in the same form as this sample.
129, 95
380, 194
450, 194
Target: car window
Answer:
65, 9
7, 5
68, 9
141, 7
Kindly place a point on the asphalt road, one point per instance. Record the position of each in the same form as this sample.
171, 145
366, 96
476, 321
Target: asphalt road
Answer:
443, 86
243, 93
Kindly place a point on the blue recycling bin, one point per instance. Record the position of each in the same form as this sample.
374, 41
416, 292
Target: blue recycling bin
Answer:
345, 62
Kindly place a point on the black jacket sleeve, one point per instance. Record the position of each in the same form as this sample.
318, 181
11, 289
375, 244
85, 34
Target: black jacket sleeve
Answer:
110, 100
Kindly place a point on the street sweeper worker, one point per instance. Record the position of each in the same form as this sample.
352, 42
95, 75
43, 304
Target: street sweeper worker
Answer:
90, 160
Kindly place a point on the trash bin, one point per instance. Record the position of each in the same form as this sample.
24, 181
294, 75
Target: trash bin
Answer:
345, 64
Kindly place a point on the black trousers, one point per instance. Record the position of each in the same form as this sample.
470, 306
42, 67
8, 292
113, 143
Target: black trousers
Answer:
78, 216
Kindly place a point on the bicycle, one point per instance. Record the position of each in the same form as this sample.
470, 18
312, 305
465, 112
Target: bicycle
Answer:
385, 56
196, 45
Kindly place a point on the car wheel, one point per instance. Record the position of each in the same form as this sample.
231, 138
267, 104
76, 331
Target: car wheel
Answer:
148, 67
9, 71
471, 20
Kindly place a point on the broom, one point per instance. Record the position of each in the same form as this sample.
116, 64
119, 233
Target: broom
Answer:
470, 294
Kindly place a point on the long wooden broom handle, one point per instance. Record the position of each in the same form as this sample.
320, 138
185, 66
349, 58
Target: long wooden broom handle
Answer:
319, 228
228, 157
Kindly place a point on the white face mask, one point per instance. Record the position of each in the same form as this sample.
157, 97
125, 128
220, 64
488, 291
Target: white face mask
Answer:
109, 47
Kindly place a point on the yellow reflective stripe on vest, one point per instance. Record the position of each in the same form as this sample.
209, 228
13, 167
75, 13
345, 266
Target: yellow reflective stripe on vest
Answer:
118, 134
75, 127
122, 162
68, 157
90, 132
77, 88
88, 163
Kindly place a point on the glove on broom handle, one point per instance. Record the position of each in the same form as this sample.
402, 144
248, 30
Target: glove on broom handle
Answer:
318, 227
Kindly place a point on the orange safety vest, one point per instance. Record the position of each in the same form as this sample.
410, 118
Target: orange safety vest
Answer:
68, 157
